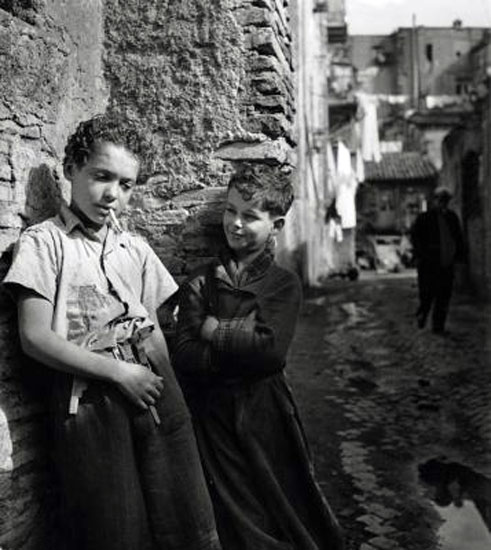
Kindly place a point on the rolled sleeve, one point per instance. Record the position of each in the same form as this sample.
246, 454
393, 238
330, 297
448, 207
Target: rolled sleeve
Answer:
158, 284
34, 265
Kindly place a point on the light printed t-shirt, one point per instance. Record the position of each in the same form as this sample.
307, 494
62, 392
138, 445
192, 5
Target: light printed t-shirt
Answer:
89, 282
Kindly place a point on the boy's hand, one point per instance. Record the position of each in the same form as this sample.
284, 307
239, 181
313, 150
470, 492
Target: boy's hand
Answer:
138, 383
208, 328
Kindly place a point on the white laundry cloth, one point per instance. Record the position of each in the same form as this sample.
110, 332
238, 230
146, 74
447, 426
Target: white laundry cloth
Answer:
360, 167
331, 169
335, 231
345, 200
370, 145
343, 165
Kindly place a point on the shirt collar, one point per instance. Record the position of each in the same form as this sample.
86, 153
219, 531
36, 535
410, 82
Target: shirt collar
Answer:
72, 222
70, 219
227, 270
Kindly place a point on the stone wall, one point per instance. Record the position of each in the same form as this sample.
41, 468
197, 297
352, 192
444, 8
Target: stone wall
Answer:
50, 54
210, 83
462, 153
486, 186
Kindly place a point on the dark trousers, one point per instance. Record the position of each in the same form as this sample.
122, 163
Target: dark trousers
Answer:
435, 285
128, 483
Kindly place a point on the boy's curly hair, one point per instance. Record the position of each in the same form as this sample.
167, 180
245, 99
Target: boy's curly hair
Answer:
266, 184
81, 144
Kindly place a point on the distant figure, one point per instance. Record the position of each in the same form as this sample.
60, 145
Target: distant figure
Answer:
438, 244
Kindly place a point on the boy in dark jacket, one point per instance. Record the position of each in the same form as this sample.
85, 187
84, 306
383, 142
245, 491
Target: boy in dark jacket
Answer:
236, 320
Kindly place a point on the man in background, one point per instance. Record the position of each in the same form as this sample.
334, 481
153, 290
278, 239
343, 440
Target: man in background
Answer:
438, 245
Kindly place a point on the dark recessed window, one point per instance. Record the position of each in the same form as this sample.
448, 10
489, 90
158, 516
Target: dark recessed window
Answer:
429, 52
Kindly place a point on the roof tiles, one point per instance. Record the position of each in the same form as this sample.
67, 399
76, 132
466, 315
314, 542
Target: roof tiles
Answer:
400, 166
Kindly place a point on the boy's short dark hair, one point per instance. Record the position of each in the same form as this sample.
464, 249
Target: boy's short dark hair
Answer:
267, 184
101, 128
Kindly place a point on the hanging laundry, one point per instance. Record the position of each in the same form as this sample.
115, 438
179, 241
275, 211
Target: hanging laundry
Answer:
333, 221
346, 185
360, 167
367, 116
331, 170
343, 164
335, 230
394, 99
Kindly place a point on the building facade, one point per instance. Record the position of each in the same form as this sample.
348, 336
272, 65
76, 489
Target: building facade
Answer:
417, 62
467, 171
423, 77
314, 251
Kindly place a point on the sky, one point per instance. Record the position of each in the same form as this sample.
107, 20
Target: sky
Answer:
385, 16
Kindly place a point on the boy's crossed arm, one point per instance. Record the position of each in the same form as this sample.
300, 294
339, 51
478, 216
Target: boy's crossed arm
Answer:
138, 383
260, 338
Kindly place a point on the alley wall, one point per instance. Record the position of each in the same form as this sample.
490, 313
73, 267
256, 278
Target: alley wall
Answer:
209, 83
314, 249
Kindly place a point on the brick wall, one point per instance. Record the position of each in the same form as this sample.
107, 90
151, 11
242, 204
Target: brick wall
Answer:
210, 83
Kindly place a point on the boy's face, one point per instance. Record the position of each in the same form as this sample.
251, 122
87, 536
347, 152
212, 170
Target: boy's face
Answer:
104, 182
247, 227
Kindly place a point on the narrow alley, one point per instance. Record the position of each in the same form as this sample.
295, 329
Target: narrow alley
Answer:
398, 418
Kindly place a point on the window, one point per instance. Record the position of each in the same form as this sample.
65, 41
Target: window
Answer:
462, 86
429, 52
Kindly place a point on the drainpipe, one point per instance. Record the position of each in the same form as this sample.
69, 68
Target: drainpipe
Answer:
414, 64
487, 175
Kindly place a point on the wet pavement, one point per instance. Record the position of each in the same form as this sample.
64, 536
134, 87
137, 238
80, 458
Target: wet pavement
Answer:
399, 419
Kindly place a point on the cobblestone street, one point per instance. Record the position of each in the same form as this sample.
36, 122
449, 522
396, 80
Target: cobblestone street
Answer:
397, 417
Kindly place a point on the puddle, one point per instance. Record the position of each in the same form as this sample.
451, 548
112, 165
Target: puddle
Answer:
355, 314
462, 497
320, 301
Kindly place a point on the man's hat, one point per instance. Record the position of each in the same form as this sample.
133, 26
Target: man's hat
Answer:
442, 191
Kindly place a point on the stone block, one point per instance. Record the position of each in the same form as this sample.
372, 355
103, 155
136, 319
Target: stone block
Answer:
255, 16
9, 127
31, 132
173, 217
266, 42
276, 151
259, 63
274, 125
200, 197
6, 194
4, 146
269, 83
270, 103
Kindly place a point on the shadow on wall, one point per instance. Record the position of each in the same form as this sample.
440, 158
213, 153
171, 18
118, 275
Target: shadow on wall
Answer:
44, 194
27, 487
